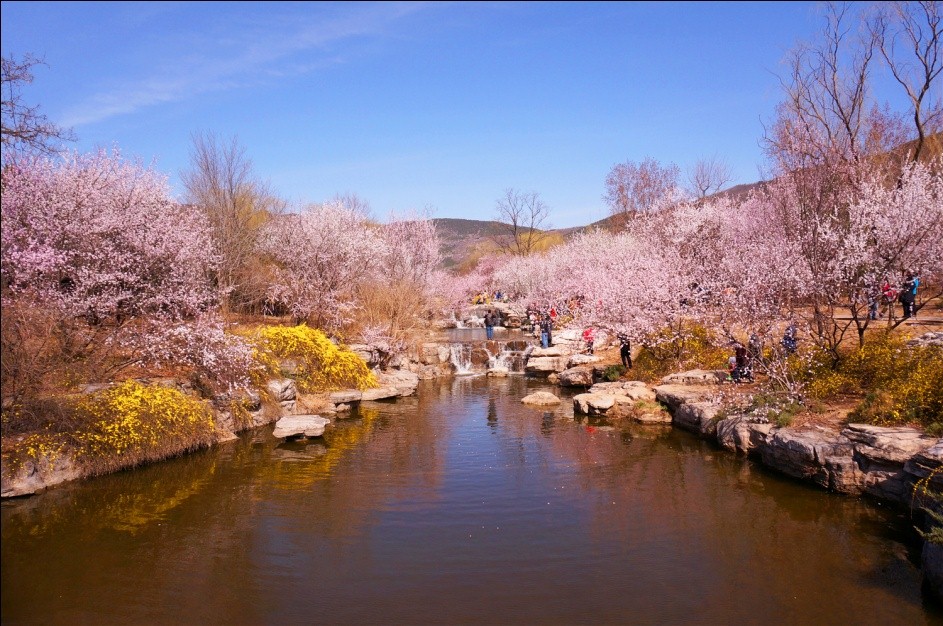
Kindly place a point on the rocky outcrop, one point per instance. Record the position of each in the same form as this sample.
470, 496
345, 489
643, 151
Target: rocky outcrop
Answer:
300, 426
31, 477
541, 398
884, 462
927, 339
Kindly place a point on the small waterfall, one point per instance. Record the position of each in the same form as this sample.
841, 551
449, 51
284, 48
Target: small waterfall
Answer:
460, 357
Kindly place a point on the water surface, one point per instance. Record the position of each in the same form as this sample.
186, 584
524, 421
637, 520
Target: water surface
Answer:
458, 505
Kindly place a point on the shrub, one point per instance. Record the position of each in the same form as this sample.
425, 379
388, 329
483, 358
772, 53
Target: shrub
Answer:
901, 383
320, 365
132, 423
613, 373
670, 349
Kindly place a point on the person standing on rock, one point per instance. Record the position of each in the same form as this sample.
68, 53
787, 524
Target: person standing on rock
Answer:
546, 327
625, 350
489, 325
589, 336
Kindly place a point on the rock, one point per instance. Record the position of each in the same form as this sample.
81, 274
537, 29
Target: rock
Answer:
733, 434
288, 406
582, 359
927, 339
807, 454
931, 559
551, 351
298, 425
925, 465
888, 444
697, 417
635, 389
30, 477
546, 364
282, 389
223, 436
346, 396
676, 395
577, 377
593, 403
498, 371
429, 353
404, 381
379, 393
541, 398
696, 377
553, 379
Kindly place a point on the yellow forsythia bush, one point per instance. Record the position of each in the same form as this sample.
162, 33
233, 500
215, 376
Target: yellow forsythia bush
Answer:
142, 422
902, 384
320, 364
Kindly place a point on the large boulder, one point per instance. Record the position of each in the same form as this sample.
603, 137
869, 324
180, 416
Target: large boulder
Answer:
740, 433
541, 398
577, 377
300, 425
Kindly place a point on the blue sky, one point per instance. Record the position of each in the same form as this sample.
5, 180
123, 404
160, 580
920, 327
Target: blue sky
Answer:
418, 105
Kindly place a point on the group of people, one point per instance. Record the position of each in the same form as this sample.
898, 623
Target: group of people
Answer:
906, 294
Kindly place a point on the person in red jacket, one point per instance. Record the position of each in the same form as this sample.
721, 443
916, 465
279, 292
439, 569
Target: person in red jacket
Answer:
589, 336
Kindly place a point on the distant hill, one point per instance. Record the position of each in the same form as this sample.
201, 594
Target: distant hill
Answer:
463, 240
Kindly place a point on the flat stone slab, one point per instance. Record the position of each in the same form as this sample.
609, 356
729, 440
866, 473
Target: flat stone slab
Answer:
593, 403
582, 359
894, 444
541, 398
545, 364
346, 397
380, 393
676, 395
634, 389
300, 425
696, 377
551, 351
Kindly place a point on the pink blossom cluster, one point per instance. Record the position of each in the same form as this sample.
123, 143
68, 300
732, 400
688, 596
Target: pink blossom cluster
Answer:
100, 237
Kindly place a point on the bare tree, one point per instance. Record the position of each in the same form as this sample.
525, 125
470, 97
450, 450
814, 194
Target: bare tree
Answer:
708, 176
523, 217
24, 127
222, 184
917, 62
355, 203
634, 188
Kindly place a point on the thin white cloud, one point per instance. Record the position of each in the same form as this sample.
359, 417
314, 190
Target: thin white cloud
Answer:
266, 52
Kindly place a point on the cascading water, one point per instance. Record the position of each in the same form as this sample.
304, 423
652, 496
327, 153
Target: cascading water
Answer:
460, 356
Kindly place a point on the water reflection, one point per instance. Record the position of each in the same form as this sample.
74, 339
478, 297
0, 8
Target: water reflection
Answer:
420, 511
